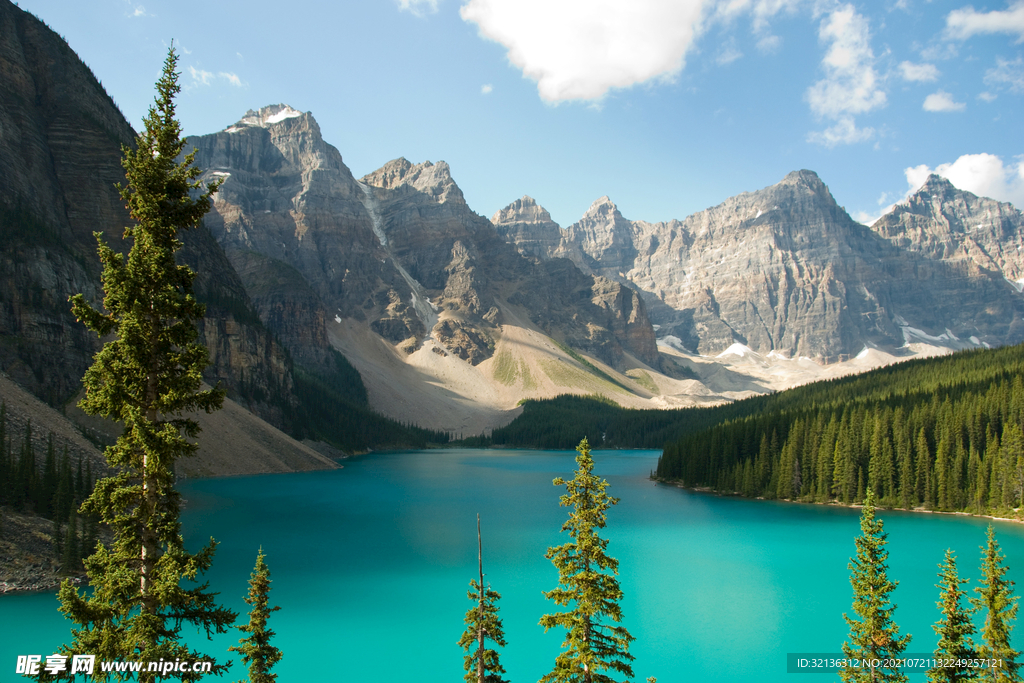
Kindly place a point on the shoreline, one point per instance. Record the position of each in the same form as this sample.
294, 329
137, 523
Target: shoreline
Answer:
708, 490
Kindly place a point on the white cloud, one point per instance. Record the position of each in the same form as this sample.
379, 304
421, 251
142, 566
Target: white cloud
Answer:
233, 79
1007, 74
769, 43
844, 132
728, 53
581, 49
963, 23
941, 100
199, 76
940, 51
867, 218
486, 89
762, 10
202, 77
850, 85
137, 10
987, 97
418, 7
918, 72
983, 174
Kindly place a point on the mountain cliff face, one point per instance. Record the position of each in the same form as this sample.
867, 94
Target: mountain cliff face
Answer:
786, 270
60, 137
946, 224
398, 250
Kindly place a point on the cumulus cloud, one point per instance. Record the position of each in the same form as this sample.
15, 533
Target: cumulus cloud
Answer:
983, 174
963, 23
941, 100
850, 85
418, 7
486, 89
1007, 74
918, 72
987, 97
581, 49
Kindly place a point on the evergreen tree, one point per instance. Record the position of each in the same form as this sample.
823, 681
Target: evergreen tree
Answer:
255, 648
71, 556
873, 634
587, 581
955, 628
146, 377
995, 597
482, 622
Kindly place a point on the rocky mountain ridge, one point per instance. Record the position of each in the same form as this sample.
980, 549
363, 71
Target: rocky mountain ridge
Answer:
398, 253
786, 271
451, 319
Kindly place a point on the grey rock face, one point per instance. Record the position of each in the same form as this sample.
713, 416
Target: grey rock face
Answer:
944, 223
528, 226
60, 157
398, 250
785, 269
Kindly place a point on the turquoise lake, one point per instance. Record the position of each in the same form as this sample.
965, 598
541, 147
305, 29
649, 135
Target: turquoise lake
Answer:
371, 563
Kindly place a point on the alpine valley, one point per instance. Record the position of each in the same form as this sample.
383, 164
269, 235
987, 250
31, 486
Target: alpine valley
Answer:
389, 297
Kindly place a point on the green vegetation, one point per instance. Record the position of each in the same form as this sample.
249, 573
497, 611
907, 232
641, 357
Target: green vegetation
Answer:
482, 623
146, 377
590, 367
556, 423
587, 581
644, 379
995, 597
255, 648
50, 490
875, 638
873, 633
944, 434
505, 366
326, 412
954, 628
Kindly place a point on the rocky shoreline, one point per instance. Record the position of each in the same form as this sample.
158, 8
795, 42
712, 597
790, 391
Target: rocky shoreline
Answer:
27, 563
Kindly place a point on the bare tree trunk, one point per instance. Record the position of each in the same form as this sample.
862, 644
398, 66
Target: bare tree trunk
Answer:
480, 608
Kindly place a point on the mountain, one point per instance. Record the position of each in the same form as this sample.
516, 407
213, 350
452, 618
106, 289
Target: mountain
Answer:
786, 273
60, 159
419, 292
946, 224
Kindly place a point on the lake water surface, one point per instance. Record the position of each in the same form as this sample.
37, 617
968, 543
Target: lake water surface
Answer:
371, 565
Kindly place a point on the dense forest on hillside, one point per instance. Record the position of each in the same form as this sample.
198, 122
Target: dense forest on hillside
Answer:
943, 433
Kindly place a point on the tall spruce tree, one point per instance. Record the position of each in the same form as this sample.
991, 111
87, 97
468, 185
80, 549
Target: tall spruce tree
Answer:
587, 581
996, 601
955, 628
482, 623
146, 377
255, 648
873, 634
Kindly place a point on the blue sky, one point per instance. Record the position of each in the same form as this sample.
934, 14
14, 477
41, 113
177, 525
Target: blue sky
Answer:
666, 106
